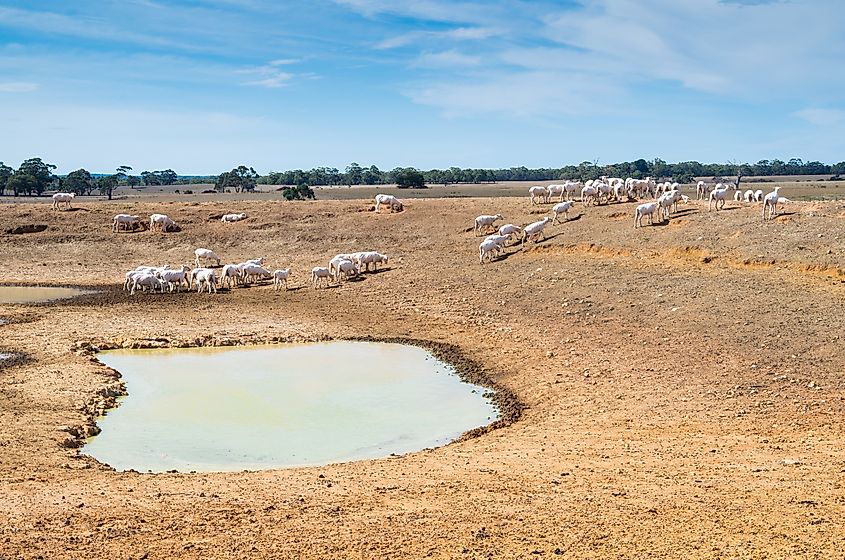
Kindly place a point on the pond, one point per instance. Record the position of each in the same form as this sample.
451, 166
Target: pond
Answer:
35, 294
228, 409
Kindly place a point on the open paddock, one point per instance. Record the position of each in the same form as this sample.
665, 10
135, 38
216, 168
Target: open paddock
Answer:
681, 384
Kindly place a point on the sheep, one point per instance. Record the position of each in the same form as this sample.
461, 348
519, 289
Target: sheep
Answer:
334, 264
175, 277
141, 270
146, 280
561, 207
668, 203
485, 221
538, 192
702, 190
161, 222
251, 272
738, 195
280, 277
391, 201
345, 269
205, 254
226, 218
534, 230
62, 198
364, 259
487, 250
556, 190
320, 275
500, 240
647, 209
230, 276
749, 196
205, 278
758, 195
770, 203
124, 220
589, 194
510, 230
718, 194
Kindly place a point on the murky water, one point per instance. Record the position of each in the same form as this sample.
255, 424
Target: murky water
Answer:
34, 294
226, 409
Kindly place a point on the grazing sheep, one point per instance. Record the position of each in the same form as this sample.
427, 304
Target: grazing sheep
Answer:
161, 222
737, 195
500, 240
647, 209
205, 278
320, 275
534, 230
390, 201
146, 280
62, 198
232, 217
718, 194
252, 272
749, 196
126, 221
538, 192
280, 277
230, 276
758, 195
510, 230
589, 194
561, 207
364, 259
205, 254
485, 221
175, 277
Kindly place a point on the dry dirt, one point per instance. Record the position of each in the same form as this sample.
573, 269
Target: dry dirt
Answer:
682, 385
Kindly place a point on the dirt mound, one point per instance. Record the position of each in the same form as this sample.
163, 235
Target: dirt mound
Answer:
29, 228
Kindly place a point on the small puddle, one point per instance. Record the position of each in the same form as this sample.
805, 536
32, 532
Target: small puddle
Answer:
229, 409
35, 294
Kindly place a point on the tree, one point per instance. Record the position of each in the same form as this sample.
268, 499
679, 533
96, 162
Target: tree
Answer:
107, 184
41, 173
79, 182
353, 174
21, 183
299, 192
133, 181
241, 178
5, 173
409, 178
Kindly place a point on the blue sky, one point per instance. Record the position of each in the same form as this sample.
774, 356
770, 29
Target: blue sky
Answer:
201, 86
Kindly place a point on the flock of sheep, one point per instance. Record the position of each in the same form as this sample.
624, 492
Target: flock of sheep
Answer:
665, 198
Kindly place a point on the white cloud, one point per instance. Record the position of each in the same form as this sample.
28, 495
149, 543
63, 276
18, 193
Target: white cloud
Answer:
269, 75
445, 59
17, 87
821, 117
428, 37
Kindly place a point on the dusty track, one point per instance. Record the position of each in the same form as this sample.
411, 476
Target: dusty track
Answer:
683, 385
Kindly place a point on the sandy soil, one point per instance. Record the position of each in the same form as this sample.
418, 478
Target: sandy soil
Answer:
682, 385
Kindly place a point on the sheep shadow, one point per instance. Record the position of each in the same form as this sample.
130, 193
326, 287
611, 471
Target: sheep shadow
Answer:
686, 212
377, 271
75, 210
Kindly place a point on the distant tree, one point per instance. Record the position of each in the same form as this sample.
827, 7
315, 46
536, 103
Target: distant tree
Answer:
353, 174
107, 184
409, 178
299, 192
21, 183
79, 182
41, 173
5, 173
133, 181
241, 178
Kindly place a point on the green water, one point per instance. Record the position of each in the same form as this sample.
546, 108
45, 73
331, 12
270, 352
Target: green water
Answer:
228, 409
34, 294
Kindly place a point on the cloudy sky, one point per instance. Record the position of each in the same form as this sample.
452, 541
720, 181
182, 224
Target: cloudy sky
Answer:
201, 86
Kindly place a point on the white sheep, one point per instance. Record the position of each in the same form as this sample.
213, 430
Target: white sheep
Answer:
161, 222
486, 221
364, 259
749, 196
390, 201
770, 203
230, 276
510, 230
589, 194
571, 187
175, 277
738, 195
556, 190
320, 275
62, 198
125, 220
146, 280
561, 208
718, 194
702, 190
534, 230
647, 209
280, 277
205, 278
758, 195
538, 192
500, 240
487, 250
205, 254
252, 272
226, 218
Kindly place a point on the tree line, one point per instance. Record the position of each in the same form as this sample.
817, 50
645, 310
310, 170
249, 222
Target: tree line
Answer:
34, 176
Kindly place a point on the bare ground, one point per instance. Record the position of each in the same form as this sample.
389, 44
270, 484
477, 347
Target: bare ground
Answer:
683, 385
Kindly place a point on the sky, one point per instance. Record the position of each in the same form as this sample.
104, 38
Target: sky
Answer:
201, 86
